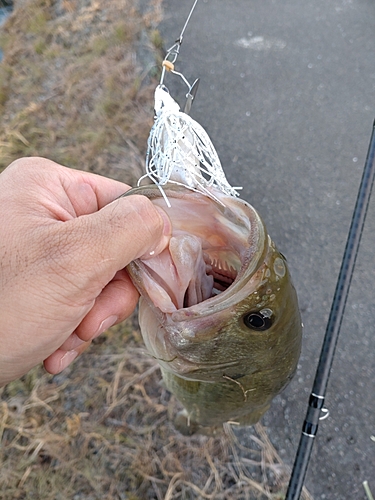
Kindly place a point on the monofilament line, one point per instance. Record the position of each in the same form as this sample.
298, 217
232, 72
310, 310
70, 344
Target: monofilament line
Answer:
187, 22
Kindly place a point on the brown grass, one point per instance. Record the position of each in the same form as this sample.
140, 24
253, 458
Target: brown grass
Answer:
76, 86
102, 430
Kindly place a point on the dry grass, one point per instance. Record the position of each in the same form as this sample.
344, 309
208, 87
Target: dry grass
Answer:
76, 86
102, 430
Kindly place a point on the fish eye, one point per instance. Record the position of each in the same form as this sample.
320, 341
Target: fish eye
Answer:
257, 321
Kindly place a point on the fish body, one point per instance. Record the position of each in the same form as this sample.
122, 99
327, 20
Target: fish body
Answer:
218, 309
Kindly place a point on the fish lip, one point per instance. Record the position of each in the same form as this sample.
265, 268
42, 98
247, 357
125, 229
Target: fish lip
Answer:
250, 263
191, 371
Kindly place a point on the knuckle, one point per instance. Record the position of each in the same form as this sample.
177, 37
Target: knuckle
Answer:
27, 162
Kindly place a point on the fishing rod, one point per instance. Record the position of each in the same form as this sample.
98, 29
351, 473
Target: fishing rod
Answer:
316, 411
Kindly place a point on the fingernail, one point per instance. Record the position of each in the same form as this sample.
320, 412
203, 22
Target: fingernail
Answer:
72, 342
68, 357
167, 229
105, 324
164, 241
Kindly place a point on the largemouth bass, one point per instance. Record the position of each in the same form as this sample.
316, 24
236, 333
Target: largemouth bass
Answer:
218, 309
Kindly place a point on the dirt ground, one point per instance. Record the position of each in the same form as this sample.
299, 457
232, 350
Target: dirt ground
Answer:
76, 86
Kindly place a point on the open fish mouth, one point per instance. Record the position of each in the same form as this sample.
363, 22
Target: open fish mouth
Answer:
221, 270
213, 246
198, 274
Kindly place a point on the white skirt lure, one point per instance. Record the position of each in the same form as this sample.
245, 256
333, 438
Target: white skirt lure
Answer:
181, 152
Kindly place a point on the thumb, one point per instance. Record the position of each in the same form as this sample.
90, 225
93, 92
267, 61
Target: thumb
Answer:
102, 243
143, 227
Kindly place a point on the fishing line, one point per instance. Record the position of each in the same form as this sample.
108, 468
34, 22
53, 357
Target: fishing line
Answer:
315, 410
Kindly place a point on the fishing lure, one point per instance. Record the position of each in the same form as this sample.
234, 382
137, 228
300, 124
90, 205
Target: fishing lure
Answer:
181, 152
179, 149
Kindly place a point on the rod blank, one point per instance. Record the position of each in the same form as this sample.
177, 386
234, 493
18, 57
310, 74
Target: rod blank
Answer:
316, 401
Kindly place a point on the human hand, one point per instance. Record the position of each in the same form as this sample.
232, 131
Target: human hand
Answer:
64, 244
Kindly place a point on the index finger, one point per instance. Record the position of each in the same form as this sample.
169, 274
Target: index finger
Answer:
105, 190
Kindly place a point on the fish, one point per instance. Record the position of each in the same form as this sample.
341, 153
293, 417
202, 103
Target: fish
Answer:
218, 309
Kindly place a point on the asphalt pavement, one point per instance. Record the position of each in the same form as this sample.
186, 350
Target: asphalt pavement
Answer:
287, 95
